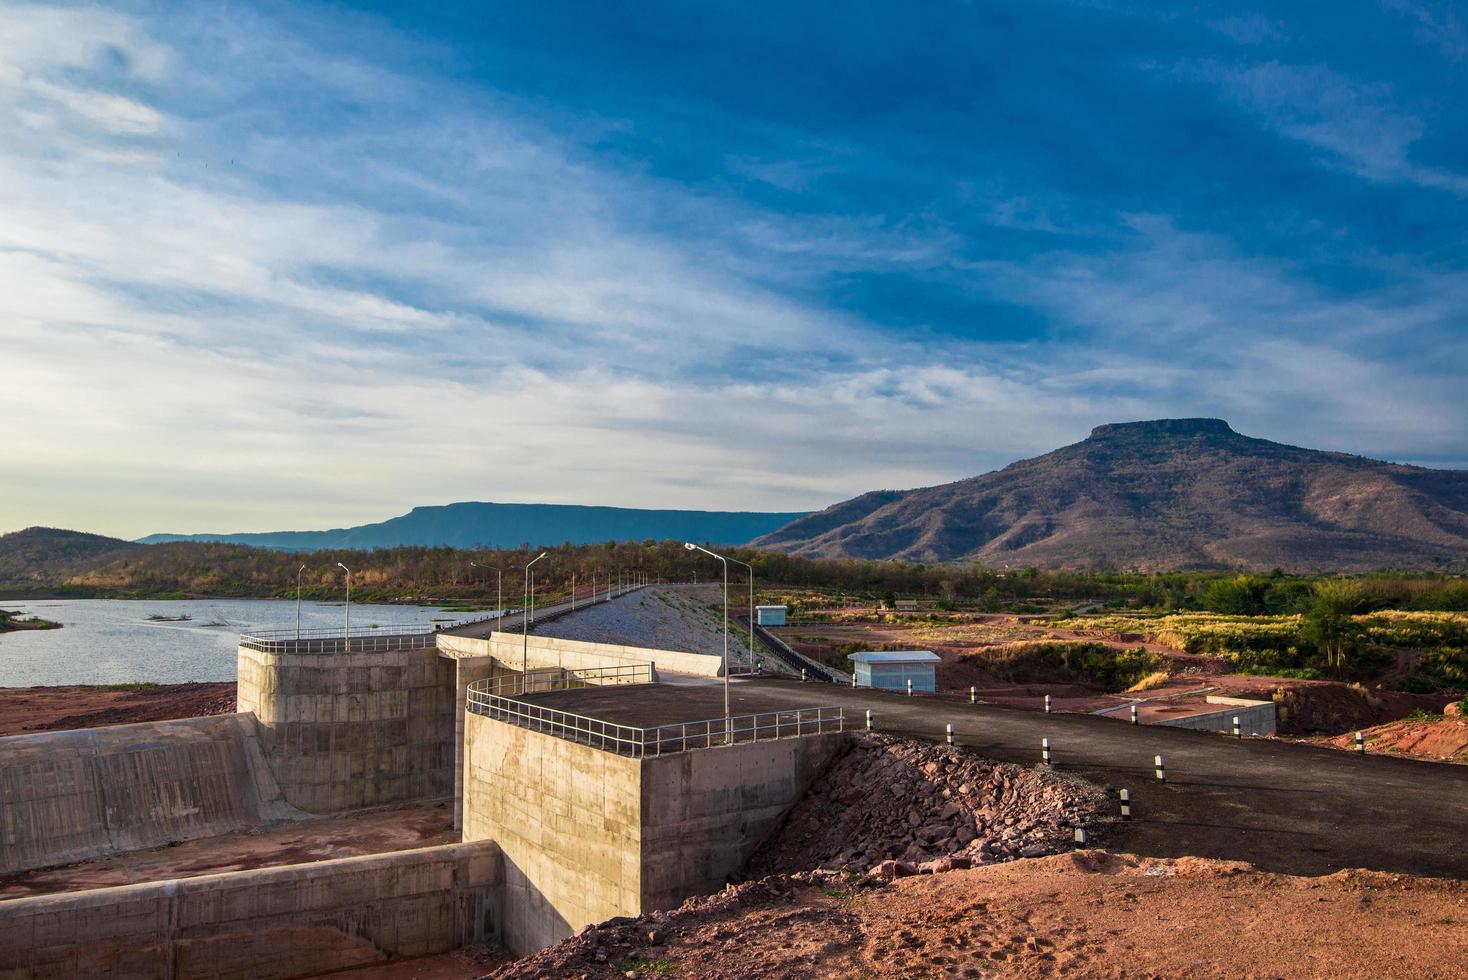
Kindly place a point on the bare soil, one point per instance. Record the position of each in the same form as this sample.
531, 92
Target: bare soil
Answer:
1443, 740
1088, 913
48, 709
396, 828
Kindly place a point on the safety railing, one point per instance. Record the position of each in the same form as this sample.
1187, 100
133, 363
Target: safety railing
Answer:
332, 641
540, 679
661, 740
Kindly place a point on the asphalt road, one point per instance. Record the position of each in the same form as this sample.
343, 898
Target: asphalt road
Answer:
1284, 807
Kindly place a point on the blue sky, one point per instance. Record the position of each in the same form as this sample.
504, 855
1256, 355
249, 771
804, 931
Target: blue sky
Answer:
280, 266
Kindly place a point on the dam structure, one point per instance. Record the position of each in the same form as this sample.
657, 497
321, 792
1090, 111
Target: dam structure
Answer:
565, 812
384, 797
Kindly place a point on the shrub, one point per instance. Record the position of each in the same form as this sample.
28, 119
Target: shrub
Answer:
1062, 662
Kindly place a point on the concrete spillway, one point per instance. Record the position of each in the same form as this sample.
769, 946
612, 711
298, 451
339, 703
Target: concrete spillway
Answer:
75, 795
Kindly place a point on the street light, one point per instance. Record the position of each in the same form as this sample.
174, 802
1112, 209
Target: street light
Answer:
347, 612
751, 606
499, 591
525, 628
728, 730
298, 602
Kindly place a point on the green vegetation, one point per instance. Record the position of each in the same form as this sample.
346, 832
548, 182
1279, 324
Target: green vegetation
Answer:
1329, 640
10, 620
644, 964
1060, 662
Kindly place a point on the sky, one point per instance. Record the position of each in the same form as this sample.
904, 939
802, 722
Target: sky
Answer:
287, 266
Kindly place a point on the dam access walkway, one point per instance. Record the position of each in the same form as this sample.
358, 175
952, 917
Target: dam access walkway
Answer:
1285, 807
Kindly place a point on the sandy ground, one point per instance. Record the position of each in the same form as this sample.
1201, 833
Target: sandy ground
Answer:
364, 832
47, 709
1083, 914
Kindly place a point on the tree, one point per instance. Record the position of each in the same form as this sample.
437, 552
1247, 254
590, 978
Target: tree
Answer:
1328, 623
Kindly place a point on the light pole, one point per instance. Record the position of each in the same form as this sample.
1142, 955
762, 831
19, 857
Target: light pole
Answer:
728, 731
499, 590
347, 611
298, 602
751, 607
525, 628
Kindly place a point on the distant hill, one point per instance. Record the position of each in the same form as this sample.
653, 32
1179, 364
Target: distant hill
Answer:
43, 553
470, 525
1161, 495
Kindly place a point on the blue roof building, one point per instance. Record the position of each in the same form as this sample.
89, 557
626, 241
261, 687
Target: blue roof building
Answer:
890, 671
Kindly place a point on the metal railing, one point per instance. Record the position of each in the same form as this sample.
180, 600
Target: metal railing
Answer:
363, 639
661, 740
542, 679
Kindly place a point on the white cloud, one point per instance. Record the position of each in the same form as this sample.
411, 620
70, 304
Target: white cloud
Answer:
218, 316
1356, 125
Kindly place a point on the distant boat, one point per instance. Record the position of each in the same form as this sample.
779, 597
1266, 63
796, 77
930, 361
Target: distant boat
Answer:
160, 618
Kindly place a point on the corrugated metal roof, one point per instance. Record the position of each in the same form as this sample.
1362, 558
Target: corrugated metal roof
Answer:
896, 657
769, 607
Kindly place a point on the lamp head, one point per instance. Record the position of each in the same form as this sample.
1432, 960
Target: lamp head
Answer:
689, 545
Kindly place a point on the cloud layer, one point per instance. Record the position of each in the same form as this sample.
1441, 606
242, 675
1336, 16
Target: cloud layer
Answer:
285, 267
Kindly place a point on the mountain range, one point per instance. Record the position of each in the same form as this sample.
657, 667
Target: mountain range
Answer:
491, 525
1160, 495
1168, 494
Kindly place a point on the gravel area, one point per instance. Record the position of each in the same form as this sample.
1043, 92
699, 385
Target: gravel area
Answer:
664, 617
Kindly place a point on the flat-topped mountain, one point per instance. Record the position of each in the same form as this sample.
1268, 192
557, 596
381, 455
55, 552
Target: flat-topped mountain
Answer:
1165, 494
492, 525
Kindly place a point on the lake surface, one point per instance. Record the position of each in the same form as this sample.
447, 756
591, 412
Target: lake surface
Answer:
112, 641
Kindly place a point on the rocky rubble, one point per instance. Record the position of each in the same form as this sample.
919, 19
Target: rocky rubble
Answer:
632, 946
894, 807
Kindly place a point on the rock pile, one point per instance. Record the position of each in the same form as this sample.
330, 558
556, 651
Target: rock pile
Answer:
894, 807
629, 946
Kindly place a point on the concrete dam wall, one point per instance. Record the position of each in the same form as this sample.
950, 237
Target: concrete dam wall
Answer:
76, 795
266, 924
587, 834
343, 731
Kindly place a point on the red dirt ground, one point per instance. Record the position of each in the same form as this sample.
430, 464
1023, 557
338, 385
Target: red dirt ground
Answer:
1445, 740
364, 832
1089, 913
48, 709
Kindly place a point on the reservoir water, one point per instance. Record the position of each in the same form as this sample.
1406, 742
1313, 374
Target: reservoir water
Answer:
113, 641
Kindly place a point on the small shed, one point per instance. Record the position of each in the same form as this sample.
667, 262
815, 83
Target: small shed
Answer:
907, 605
890, 671
770, 615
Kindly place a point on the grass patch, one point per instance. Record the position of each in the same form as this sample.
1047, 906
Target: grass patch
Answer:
1152, 681
643, 964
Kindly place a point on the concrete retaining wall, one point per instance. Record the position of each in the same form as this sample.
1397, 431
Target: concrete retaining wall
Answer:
76, 795
552, 651
343, 731
705, 812
588, 835
266, 924
1255, 717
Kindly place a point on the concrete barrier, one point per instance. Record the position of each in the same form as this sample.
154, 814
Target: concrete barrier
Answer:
82, 794
588, 835
345, 731
1255, 717
552, 651
267, 924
